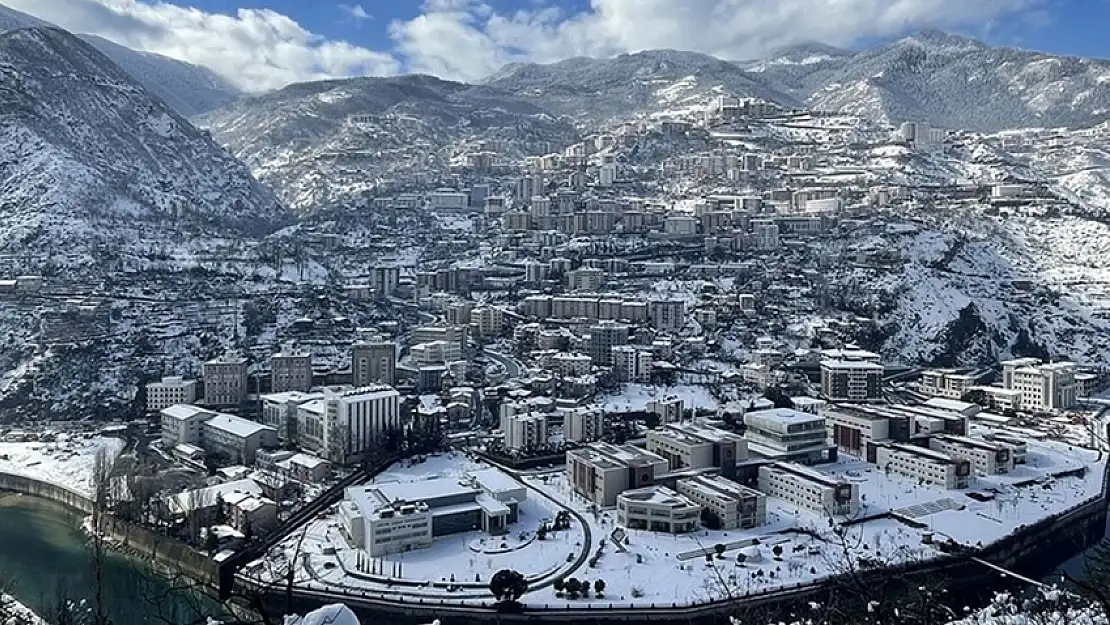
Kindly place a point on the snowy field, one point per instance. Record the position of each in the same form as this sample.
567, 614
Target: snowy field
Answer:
67, 463
795, 546
635, 397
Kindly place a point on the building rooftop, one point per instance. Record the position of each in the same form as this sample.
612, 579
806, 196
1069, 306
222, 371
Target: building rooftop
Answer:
783, 415
236, 426
181, 412
658, 495
425, 490
861, 365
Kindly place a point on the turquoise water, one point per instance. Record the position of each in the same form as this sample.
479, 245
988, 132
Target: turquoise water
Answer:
45, 559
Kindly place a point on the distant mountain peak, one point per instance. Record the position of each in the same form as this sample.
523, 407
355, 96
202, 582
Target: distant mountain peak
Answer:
935, 37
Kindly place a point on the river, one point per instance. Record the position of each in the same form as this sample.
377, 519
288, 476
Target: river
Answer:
44, 556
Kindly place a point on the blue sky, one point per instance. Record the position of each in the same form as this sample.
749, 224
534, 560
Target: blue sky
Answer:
265, 44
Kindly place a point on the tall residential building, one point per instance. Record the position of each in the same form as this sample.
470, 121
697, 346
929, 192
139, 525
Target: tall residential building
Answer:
632, 364
851, 380
290, 370
669, 409
585, 279
347, 423
603, 338
582, 424
384, 280
1047, 387
170, 391
487, 320
524, 430
225, 381
667, 315
373, 362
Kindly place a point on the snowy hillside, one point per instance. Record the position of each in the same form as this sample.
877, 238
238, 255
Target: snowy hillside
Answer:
327, 144
88, 157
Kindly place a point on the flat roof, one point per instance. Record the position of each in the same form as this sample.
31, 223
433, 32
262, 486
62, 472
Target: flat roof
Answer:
182, 412
236, 426
496, 481
784, 415
924, 452
423, 490
852, 364
659, 495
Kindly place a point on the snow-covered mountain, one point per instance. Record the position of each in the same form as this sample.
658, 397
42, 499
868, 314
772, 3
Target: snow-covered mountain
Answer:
327, 144
89, 159
597, 90
951, 82
189, 89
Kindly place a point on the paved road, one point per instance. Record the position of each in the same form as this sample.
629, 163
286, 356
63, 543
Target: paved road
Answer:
513, 367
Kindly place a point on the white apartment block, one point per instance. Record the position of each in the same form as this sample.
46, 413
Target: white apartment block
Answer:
947, 383
851, 380
669, 409
181, 425
692, 445
632, 364
236, 438
435, 352
290, 370
225, 381
582, 424
851, 432
929, 467
657, 509
487, 320
525, 431
986, 457
601, 471
170, 391
667, 315
1049, 387
806, 488
784, 432
732, 505
570, 365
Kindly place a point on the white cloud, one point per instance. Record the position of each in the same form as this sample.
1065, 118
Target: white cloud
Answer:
467, 39
355, 11
257, 49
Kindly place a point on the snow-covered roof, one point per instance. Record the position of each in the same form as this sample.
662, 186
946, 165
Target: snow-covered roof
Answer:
236, 426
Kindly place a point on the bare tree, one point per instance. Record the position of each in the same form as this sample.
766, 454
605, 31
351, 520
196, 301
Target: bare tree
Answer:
98, 527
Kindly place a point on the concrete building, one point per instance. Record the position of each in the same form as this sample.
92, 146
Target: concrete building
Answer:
487, 320
235, 438
692, 445
170, 391
601, 471
583, 424
667, 315
585, 279
181, 425
852, 431
986, 457
631, 363
930, 468
398, 517
603, 338
851, 380
946, 383
657, 509
373, 362
343, 425
290, 370
784, 433
524, 431
279, 411
225, 381
726, 504
669, 409
1049, 387
806, 488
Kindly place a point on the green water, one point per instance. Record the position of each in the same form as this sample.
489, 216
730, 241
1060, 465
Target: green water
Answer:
45, 558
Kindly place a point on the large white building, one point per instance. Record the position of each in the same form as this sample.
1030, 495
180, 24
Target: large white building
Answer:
170, 391
785, 433
396, 517
1049, 387
986, 457
343, 425
236, 439
806, 488
583, 424
525, 430
851, 380
601, 471
657, 509
181, 425
727, 504
929, 467
279, 411
691, 445
225, 381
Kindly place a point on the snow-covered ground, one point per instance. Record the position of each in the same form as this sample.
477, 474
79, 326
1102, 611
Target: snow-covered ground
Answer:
67, 463
635, 397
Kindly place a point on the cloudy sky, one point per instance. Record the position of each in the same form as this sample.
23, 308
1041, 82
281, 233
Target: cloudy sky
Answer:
265, 44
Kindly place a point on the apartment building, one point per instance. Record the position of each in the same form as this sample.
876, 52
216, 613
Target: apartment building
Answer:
986, 457
632, 363
601, 471
181, 425
947, 383
582, 424
667, 315
852, 431
487, 320
603, 338
290, 370
806, 488
692, 445
524, 431
929, 467
669, 409
570, 365
373, 362
170, 391
657, 509
225, 381
726, 504
785, 433
851, 380
279, 411
397, 517
585, 279
235, 438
